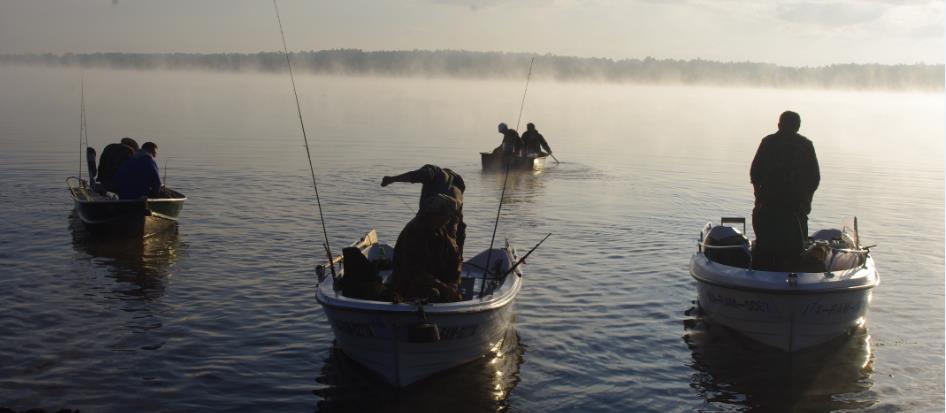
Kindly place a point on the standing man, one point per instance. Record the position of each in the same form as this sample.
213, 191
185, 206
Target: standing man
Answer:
138, 177
784, 177
437, 180
533, 141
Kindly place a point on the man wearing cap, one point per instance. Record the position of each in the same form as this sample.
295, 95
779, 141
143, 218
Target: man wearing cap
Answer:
784, 177
138, 177
427, 260
437, 180
512, 143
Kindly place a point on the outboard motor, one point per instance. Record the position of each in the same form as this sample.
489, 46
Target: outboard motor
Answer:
727, 246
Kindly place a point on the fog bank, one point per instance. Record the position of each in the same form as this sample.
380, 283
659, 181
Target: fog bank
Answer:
499, 65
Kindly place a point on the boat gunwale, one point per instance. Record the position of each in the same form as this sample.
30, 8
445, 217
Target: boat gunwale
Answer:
458, 307
73, 189
797, 289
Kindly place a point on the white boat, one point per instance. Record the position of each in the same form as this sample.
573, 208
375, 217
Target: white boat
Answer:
406, 342
787, 310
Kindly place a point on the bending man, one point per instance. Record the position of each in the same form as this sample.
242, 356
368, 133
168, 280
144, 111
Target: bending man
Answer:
427, 259
437, 180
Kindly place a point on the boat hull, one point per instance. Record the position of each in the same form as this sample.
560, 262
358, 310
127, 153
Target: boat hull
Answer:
381, 342
496, 162
387, 338
787, 311
131, 217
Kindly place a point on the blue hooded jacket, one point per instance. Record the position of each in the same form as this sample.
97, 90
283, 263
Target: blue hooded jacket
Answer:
138, 177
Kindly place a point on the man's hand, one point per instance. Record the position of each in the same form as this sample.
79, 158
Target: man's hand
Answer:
387, 180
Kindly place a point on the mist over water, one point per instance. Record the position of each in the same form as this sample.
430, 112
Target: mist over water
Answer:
221, 316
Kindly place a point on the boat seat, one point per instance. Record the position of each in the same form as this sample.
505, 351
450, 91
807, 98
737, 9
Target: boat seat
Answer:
467, 288
361, 278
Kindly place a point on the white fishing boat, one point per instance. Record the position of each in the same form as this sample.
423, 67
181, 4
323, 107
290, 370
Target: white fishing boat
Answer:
789, 310
407, 342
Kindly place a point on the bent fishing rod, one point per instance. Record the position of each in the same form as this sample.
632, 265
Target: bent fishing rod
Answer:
305, 138
502, 194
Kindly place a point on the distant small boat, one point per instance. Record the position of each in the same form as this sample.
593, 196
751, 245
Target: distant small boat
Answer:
105, 213
406, 342
144, 217
497, 162
789, 310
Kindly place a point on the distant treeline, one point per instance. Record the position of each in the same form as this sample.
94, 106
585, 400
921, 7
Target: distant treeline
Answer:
467, 64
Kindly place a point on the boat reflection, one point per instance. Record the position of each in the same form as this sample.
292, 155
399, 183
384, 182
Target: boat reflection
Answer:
481, 386
521, 186
735, 371
140, 263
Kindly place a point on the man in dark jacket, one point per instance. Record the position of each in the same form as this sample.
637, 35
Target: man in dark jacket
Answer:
784, 176
113, 156
512, 143
534, 142
435, 181
138, 177
427, 259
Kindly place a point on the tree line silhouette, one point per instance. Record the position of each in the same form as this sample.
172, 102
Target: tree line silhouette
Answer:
485, 65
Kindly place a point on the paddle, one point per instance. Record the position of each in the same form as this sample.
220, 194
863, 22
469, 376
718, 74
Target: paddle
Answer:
556, 159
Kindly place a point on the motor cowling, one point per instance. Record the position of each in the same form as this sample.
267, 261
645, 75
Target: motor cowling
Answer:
727, 246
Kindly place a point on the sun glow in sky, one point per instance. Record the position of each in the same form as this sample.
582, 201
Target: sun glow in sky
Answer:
791, 32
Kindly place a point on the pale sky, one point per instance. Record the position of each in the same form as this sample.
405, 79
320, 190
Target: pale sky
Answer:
792, 32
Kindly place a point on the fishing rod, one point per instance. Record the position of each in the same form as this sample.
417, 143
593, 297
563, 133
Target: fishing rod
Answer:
82, 122
523, 104
502, 195
305, 138
165, 180
523, 259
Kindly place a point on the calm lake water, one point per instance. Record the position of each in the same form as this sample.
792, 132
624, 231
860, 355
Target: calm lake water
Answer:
221, 315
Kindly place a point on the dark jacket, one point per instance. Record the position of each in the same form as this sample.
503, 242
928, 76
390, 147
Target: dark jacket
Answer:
426, 259
436, 180
138, 177
113, 156
512, 143
534, 142
785, 173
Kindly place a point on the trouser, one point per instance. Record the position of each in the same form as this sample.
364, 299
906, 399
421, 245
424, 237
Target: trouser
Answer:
780, 238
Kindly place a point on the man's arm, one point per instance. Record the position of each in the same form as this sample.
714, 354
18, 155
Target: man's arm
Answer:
813, 168
545, 145
154, 179
758, 163
423, 175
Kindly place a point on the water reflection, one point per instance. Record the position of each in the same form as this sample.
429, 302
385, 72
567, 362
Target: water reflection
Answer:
141, 262
481, 386
521, 186
735, 372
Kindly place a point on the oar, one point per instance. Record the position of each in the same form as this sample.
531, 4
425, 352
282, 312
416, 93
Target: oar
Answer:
556, 159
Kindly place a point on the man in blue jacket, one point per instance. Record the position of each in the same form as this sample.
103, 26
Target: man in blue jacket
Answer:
138, 177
